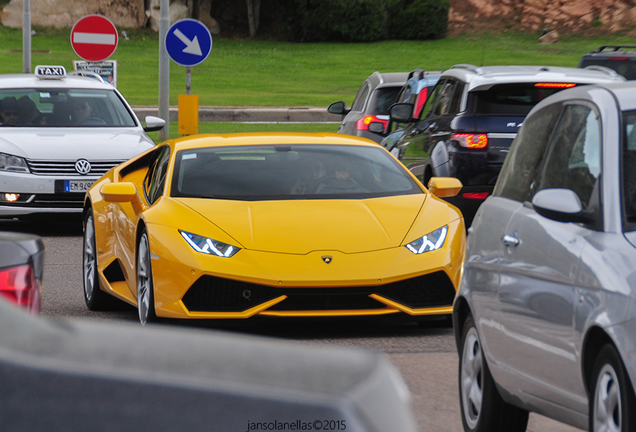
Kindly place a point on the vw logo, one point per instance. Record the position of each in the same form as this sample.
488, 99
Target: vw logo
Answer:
327, 259
83, 166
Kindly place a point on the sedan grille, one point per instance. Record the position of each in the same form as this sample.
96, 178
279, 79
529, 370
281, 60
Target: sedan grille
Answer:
67, 168
212, 294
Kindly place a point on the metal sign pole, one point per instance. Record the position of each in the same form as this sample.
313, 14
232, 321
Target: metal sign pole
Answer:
188, 80
26, 37
164, 70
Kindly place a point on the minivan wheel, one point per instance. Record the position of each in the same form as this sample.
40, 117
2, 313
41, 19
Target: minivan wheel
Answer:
482, 408
612, 401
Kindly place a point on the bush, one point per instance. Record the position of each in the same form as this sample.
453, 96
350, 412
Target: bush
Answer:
418, 19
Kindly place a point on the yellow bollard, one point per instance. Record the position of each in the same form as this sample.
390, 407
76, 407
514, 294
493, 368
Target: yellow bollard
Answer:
188, 114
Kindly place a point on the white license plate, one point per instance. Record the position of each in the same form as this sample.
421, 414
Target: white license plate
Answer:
77, 185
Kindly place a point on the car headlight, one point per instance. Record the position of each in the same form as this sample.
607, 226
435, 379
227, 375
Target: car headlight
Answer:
13, 163
430, 242
209, 246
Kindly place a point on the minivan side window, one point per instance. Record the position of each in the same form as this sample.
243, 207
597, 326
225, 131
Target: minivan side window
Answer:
574, 157
521, 168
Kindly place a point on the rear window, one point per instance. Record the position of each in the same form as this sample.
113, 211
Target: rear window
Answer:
509, 99
628, 169
625, 66
382, 100
279, 172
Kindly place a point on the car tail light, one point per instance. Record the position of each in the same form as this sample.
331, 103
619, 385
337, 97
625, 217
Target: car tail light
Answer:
555, 85
421, 100
364, 122
472, 141
475, 195
20, 287
619, 58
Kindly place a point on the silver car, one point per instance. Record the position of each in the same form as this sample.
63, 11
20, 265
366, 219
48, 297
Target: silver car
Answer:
545, 317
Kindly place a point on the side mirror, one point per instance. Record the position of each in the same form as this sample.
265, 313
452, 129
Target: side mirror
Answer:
401, 112
154, 124
562, 205
119, 192
444, 186
376, 127
338, 108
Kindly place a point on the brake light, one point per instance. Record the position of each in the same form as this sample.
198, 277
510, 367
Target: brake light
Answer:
619, 58
421, 99
19, 286
473, 141
555, 85
475, 195
364, 122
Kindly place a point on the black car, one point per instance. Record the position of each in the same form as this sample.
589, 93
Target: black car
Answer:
369, 114
21, 267
471, 118
617, 57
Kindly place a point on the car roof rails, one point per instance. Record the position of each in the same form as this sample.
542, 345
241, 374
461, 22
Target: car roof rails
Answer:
604, 69
613, 47
469, 67
419, 73
87, 74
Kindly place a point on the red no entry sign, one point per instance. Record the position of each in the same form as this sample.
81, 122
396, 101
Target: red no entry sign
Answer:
94, 38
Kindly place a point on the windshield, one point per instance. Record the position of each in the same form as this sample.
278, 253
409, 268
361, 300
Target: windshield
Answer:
63, 108
628, 169
509, 99
383, 98
286, 172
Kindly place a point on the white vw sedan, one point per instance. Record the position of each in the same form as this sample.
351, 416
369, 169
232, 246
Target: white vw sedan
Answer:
58, 134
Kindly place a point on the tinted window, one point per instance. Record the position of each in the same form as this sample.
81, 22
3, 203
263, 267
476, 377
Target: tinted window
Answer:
361, 98
65, 108
289, 172
509, 99
443, 104
627, 68
574, 157
432, 100
522, 165
383, 98
628, 169
156, 177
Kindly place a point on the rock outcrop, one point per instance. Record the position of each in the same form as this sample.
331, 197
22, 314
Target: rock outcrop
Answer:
568, 16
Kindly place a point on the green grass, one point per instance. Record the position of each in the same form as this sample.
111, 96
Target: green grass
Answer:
223, 128
265, 73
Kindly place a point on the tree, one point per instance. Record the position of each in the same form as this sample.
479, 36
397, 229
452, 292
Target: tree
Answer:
253, 15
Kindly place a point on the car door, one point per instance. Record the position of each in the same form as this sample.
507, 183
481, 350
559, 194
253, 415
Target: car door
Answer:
483, 264
540, 257
127, 217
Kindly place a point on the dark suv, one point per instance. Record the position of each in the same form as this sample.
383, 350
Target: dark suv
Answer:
369, 114
616, 57
471, 118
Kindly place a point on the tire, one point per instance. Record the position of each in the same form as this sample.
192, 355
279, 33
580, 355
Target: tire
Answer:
95, 298
145, 286
612, 400
481, 405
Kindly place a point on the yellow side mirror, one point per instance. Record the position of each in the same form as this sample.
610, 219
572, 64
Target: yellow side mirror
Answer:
444, 186
119, 192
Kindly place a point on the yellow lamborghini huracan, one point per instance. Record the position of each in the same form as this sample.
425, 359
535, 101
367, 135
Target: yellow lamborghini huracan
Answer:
277, 225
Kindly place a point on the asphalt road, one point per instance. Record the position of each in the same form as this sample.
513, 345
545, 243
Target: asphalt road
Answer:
425, 355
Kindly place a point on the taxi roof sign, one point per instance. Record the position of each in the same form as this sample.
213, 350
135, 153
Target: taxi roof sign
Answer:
50, 72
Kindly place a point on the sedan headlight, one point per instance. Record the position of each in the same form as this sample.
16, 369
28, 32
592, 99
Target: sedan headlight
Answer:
430, 242
209, 246
13, 163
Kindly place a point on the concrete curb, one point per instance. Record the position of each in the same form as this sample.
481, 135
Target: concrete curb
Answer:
251, 114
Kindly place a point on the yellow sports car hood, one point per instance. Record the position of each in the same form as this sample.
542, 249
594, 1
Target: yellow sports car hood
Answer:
303, 226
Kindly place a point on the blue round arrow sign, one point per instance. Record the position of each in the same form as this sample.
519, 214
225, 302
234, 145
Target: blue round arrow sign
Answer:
188, 42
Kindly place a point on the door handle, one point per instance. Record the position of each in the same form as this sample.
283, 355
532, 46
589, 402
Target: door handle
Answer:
509, 240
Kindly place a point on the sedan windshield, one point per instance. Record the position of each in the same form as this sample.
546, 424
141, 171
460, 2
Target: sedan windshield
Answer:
629, 169
289, 172
44, 107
